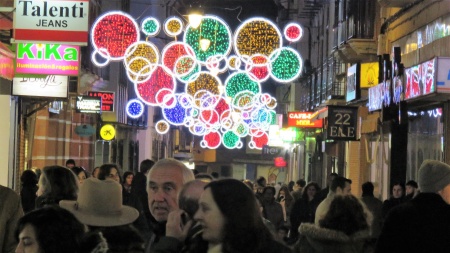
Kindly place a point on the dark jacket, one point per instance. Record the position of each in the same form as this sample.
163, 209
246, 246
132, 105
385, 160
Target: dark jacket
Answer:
419, 225
315, 239
28, 197
303, 211
375, 206
388, 204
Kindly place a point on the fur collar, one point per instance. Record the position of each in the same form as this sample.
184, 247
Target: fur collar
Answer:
315, 232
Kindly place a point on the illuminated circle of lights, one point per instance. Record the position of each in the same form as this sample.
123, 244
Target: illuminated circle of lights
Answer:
286, 65
214, 30
241, 129
150, 26
293, 32
135, 108
186, 69
234, 62
257, 36
198, 128
230, 140
257, 142
162, 127
204, 82
176, 115
140, 60
114, 31
240, 81
165, 98
216, 64
259, 66
161, 78
173, 26
211, 140
101, 52
243, 100
210, 118
173, 51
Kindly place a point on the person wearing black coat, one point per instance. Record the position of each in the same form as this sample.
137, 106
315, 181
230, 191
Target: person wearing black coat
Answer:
29, 181
422, 224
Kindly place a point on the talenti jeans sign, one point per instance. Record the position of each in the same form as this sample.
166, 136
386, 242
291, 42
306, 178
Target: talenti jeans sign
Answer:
51, 20
44, 86
51, 59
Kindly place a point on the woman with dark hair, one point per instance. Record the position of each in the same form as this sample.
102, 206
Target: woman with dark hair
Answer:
49, 230
80, 172
231, 220
343, 229
28, 181
110, 171
304, 209
286, 200
95, 172
127, 181
55, 184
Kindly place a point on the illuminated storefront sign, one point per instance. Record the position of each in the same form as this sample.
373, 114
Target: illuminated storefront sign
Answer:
376, 97
353, 85
303, 119
86, 104
52, 59
51, 21
420, 79
44, 86
342, 123
369, 74
6, 62
107, 132
107, 99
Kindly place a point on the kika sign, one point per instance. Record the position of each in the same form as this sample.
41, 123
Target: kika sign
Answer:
51, 20
51, 59
303, 119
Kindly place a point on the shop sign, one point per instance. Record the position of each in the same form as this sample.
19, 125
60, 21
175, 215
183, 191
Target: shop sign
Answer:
303, 119
52, 59
51, 21
86, 104
107, 99
376, 97
279, 162
6, 67
443, 75
369, 74
342, 123
420, 79
271, 150
353, 83
107, 132
41, 86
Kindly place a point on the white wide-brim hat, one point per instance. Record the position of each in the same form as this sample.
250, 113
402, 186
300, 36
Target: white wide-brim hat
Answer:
99, 204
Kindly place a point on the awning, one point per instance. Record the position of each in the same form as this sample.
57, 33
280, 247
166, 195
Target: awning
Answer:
6, 51
320, 114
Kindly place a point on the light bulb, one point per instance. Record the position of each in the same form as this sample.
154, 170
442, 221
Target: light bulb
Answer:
204, 44
195, 20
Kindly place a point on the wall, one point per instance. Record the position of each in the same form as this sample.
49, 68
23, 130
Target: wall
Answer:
5, 133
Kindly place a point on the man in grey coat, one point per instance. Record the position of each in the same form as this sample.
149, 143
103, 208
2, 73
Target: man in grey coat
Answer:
10, 213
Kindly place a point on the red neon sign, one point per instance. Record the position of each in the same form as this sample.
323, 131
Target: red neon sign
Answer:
107, 99
303, 119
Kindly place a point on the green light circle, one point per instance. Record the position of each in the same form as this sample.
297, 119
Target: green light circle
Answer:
240, 81
230, 139
286, 65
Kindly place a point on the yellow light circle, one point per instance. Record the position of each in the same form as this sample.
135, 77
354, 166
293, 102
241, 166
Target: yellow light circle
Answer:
107, 132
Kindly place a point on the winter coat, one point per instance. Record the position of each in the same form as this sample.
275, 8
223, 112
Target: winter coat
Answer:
315, 239
374, 205
303, 211
10, 213
419, 225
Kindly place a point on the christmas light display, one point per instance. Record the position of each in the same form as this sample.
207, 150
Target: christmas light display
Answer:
135, 108
221, 114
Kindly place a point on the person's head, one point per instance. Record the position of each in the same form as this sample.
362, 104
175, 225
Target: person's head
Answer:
367, 189
341, 186
291, 185
411, 187
282, 233
189, 195
70, 163
346, 214
28, 178
434, 176
95, 172
80, 173
330, 178
99, 204
204, 177
397, 190
146, 165
284, 193
248, 183
128, 178
230, 215
49, 229
310, 191
57, 183
268, 194
164, 181
261, 181
109, 171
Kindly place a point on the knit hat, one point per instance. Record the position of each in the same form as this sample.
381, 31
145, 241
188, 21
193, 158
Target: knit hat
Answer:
433, 176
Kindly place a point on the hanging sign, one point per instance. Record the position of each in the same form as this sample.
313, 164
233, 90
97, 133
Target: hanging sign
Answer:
86, 104
51, 21
342, 123
107, 132
42, 86
107, 99
52, 59
303, 119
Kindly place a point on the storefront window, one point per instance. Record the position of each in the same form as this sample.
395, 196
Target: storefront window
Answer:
425, 139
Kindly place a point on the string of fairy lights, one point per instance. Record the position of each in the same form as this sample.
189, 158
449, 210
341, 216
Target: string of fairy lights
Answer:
221, 113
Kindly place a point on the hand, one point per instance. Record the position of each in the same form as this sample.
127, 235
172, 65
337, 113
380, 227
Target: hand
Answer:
175, 227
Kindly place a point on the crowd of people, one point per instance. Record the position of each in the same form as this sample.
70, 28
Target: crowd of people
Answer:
166, 207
